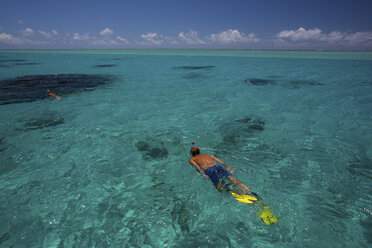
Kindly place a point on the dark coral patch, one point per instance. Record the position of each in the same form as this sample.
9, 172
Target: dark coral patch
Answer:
4, 238
104, 66
43, 122
8, 62
193, 76
366, 83
252, 124
142, 146
157, 152
27, 63
298, 83
151, 151
239, 131
5, 66
193, 67
12, 60
34, 87
259, 81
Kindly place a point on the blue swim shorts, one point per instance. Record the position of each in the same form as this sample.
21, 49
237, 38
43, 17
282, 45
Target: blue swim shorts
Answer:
216, 173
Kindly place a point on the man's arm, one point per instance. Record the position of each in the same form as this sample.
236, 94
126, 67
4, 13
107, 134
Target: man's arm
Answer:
228, 167
198, 168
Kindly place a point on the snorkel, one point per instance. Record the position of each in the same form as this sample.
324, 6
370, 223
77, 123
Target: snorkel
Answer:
194, 150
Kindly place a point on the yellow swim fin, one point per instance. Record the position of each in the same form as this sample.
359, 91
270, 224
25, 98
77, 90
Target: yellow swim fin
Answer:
247, 199
267, 216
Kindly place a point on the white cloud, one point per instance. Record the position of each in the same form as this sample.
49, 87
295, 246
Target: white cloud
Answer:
106, 31
191, 37
152, 38
123, 40
27, 32
316, 34
9, 39
45, 34
302, 34
99, 42
233, 36
77, 36
48, 35
359, 37
86, 40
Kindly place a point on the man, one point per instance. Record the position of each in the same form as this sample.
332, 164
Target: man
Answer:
53, 95
207, 166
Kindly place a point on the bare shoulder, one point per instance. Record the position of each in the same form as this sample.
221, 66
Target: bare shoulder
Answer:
193, 160
212, 156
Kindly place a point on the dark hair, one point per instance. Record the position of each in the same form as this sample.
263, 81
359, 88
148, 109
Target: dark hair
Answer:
194, 151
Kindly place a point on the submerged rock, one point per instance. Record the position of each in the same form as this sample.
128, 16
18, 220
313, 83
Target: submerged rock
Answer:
193, 67
34, 87
259, 81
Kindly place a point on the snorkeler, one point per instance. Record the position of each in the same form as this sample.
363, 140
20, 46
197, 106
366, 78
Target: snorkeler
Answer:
53, 95
207, 166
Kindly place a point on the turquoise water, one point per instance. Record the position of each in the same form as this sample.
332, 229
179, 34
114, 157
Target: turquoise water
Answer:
84, 182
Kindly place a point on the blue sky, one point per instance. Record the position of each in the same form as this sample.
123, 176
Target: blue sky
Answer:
204, 24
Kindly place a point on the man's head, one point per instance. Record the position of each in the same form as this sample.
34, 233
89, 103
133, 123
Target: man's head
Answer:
194, 150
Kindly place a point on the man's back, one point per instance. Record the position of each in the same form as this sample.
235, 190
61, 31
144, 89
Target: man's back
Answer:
204, 161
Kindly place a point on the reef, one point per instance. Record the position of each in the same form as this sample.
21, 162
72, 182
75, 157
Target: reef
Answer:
34, 87
27, 63
193, 67
193, 76
252, 124
104, 66
259, 81
298, 83
237, 132
2, 144
5, 66
4, 238
6, 60
361, 168
42, 122
151, 151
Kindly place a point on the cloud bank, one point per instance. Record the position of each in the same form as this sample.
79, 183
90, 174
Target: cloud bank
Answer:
301, 38
106, 31
9, 39
318, 36
233, 36
152, 38
191, 38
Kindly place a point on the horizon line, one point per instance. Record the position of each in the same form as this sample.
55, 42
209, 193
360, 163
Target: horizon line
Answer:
179, 49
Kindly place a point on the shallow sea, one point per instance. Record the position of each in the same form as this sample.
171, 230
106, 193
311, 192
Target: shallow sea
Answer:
109, 167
